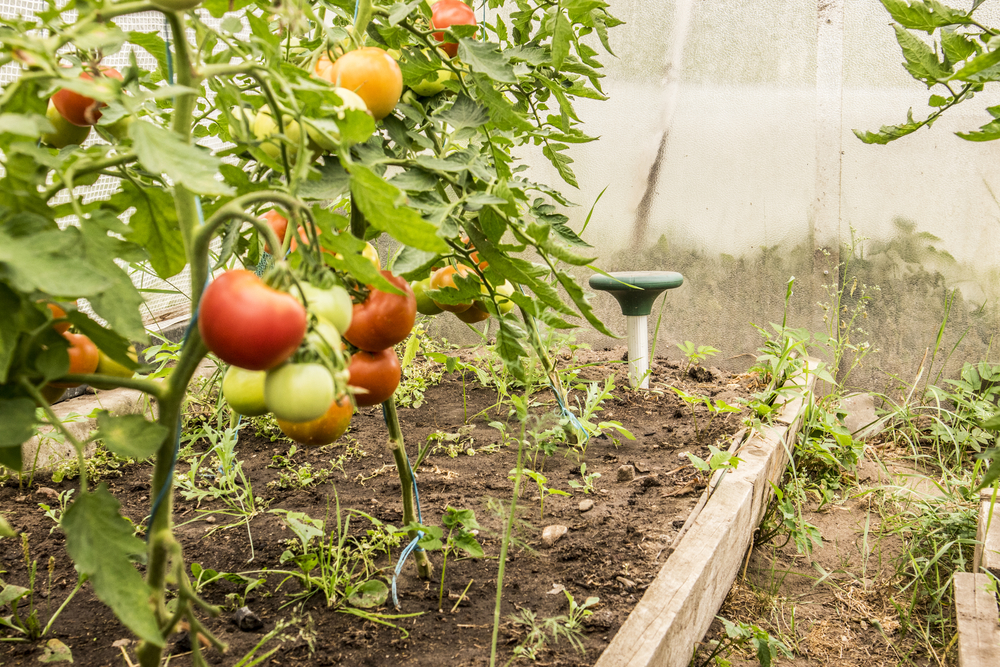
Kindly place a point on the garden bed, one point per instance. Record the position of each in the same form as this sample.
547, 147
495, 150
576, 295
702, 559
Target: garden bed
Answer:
612, 551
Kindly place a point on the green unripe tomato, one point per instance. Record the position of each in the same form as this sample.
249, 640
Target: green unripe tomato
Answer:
65, 132
108, 366
425, 305
299, 392
244, 391
332, 304
505, 305
349, 100
119, 128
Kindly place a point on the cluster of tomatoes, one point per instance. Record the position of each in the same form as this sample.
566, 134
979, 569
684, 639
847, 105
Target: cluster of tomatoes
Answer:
286, 350
73, 115
84, 358
442, 279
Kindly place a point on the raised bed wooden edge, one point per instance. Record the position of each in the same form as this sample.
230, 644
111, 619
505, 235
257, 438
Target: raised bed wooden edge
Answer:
682, 601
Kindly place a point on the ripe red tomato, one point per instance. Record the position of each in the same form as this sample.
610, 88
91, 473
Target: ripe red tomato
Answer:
248, 324
446, 13
80, 110
384, 319
83, 357
475, 254
444, 278
376, 372
324, 430
371, 73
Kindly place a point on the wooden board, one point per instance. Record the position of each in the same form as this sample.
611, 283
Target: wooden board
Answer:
679, 606
987, 556
976, 614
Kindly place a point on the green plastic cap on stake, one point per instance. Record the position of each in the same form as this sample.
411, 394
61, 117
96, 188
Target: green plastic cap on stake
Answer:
636, 290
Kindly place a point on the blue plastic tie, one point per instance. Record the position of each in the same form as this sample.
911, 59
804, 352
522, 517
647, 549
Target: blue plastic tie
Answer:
568, 414
414, 544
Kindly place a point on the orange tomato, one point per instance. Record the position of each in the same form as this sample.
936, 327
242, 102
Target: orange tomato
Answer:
83, 358
371, 73
324, 430
444, 278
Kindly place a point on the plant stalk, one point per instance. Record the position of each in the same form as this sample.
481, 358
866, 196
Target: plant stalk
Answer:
398, 448
518, 476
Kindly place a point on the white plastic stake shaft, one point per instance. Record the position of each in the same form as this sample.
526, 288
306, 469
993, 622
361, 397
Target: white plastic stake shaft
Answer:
638, 350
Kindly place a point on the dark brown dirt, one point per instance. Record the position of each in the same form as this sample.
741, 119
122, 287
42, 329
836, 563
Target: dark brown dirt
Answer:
612, 551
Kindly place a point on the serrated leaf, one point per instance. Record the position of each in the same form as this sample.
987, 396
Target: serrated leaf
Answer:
988, 132
155, 226
485, 58
384, 207
576, 294
101, 541
921, 61
163, 152
561, 161
153, 43
501, 111
956, 46
980, 67
924, 15
889, 133
130, 436
562, 34
464, 113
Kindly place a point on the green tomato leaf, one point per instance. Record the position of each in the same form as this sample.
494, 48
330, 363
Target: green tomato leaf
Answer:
467, 542
384, 207
485, 58
48, 262
925, 15
130, 436
113, 344
562, 35
501, 111
464, 113
18, 418
921, 61
6, 530
155, 227
10, 457
101, 541
163, 152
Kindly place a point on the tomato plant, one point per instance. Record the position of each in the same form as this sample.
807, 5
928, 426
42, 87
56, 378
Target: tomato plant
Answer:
446, 13
79, 109
383, 319
371, 73
83, 357
376, 373
248, 324
324, 430
185, 180
244, 391
298, 392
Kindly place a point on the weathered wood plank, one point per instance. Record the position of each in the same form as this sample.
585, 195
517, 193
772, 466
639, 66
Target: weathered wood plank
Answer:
988, 535
976, 613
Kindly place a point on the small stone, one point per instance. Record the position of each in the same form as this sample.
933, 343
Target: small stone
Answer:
210, 519
626, 473
586, 505
552, 533
246, 620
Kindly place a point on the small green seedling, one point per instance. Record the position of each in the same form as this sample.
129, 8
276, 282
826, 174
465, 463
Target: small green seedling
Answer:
543, 491
695, 355
462, 530
587, 485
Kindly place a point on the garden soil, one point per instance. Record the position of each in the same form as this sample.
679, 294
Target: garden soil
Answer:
611, 551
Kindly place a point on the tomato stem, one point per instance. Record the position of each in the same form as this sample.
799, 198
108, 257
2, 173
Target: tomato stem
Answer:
398, 448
